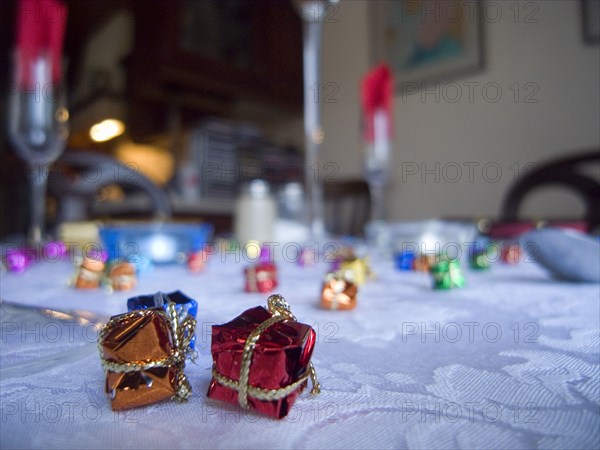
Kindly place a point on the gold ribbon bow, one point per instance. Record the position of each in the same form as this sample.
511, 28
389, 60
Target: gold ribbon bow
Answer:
281, 312
181, 333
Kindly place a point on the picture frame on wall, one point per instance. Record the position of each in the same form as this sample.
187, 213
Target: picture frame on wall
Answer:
427, 41
590, 21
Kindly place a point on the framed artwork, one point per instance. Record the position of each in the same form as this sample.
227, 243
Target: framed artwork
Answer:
590, 20
426, 41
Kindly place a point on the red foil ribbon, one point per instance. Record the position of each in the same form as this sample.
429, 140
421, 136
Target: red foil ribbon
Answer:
40, 29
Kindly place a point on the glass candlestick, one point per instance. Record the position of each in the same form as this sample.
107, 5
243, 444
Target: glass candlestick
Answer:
312, 13
37, 128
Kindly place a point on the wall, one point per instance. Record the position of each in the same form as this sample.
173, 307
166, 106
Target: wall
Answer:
440, 135
104, 53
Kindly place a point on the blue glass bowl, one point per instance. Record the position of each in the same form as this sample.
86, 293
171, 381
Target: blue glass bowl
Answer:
159, 243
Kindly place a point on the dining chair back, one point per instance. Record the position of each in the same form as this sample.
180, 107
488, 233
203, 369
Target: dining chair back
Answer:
580, 173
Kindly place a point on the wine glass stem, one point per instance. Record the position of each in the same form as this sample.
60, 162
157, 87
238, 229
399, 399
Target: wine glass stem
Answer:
378, 197
312, 127
38, 179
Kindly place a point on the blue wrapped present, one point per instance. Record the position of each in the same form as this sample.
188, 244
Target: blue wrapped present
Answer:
405, 260
184, 305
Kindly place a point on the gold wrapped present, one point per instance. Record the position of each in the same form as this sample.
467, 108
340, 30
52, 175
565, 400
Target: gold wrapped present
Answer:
361, 271
122, 276
339, 292
89, 274
143, 353
424, 262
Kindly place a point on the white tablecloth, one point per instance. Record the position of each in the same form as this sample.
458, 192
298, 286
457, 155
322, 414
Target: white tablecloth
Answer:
510, 361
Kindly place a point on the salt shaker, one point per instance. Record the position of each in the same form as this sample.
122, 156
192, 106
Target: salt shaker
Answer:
255, 213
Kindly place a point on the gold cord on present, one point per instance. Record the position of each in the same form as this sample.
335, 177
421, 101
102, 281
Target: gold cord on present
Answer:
181, 333
280, 311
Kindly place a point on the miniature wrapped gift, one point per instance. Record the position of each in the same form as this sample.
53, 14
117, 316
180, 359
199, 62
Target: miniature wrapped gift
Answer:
447, 274
55, 250
184, 305
424, 262
261, 277
339, 292
122, 276
361, 271
143, 353
511, 253
308, 257
196, 261
89, 274
479, 258
405, 260
17, 260
339, 256
261, 359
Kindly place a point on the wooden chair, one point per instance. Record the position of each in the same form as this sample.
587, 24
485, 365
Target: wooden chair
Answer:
347, 206
566, 172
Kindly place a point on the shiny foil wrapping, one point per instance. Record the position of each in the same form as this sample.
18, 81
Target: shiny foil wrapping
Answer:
139, 339
479, 260
261, 277
511, 253
17, 260
338, 293
405, 260
184, 306
447, 274
89, 273
122, 276
360, 270
423, 263
197, 261
280, 358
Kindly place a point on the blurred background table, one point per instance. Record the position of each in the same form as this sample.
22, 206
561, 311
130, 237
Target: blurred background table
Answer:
510, 361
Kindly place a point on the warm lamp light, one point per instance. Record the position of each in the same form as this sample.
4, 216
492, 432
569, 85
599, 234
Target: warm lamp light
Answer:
107, 130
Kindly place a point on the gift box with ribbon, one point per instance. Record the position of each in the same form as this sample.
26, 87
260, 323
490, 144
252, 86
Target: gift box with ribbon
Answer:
261, 277
424, 262
143, 353
184, 306
261, 359
122, 276
511, 253
89, 273
447, 274
339, 292
360, 268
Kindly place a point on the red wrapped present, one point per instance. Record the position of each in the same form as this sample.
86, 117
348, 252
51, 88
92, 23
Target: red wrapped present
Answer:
197, 261
143, 353
261, 359
261, 277
511, 253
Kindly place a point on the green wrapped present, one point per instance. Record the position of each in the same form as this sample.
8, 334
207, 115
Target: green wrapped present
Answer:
479, 259
447, 274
